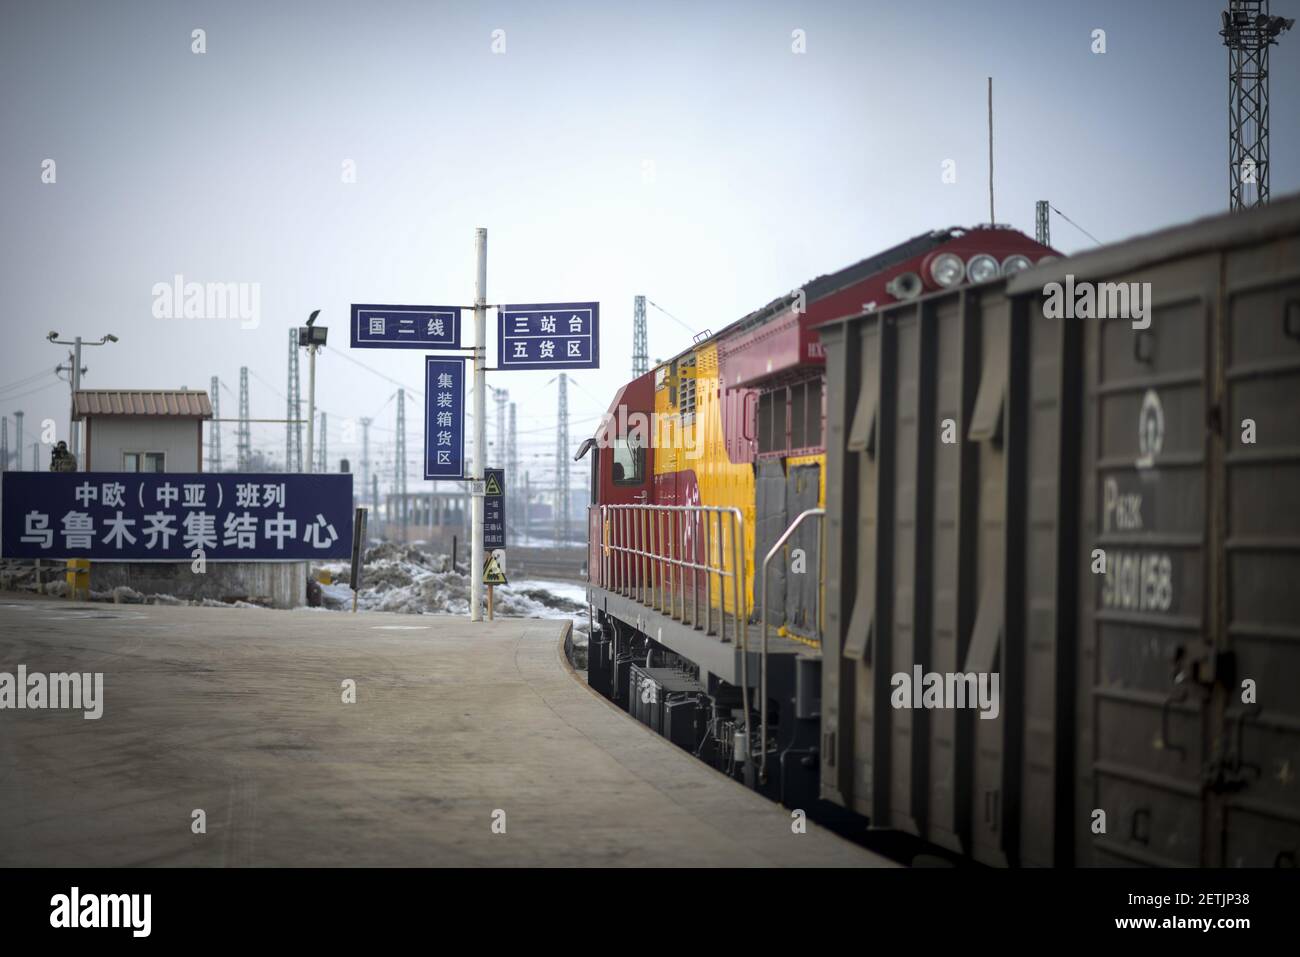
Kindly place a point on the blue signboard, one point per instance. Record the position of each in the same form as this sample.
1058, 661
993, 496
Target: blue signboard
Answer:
444, 418
405, 327
169, 516
494, 509
557, 335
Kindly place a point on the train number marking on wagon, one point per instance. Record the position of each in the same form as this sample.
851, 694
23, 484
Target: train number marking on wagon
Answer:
1138, 582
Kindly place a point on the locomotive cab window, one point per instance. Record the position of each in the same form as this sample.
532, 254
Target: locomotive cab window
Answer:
629, 462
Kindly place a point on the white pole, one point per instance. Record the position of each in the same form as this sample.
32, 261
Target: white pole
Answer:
480, 425
74, 427
311, 404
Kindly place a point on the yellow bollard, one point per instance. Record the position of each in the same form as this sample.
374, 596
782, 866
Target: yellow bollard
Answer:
79, 579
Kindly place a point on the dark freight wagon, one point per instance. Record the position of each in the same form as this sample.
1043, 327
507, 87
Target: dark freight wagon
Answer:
1104, 513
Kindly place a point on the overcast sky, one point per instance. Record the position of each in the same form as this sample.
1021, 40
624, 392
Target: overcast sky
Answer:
678, 150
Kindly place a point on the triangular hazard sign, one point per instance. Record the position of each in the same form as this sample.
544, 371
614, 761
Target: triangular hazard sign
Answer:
493, 574
493, 486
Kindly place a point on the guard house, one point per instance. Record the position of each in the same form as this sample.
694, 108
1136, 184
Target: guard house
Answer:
132, 430
129, 430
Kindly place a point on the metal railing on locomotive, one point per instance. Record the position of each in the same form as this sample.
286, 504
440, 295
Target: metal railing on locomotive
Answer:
819, 514
667, 557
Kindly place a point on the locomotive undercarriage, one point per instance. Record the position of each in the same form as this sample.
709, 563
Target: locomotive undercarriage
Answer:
705, 715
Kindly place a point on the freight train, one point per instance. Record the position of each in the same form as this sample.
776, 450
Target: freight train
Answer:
980, 545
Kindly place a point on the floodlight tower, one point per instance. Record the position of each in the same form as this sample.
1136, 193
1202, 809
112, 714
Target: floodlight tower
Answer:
1248, 31
312, 338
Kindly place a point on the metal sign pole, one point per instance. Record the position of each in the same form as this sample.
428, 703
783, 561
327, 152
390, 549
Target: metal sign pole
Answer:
480, 423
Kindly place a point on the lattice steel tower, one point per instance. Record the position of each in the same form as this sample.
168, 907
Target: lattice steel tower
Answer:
562, 465
214, 428
501, 396
399, 466
243, 446
1248, 31
293, 413
365, 462
512, 470
1043, 222
640, 341
323, 463
4, 441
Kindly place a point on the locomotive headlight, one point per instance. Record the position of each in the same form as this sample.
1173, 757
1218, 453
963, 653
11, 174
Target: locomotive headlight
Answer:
947, 270
981, 268
1047, 259
1014, 264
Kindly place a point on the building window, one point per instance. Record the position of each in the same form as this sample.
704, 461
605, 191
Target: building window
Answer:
144, 461
790, 418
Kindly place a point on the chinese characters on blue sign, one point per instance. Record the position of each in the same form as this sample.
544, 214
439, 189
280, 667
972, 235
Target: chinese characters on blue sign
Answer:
167, 517
494, 509
444, 418
559, 335
405, 327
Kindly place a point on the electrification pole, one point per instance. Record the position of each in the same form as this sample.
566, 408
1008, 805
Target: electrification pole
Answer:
74, 430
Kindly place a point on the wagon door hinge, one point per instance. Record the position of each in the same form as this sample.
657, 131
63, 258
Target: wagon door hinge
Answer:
1214, 418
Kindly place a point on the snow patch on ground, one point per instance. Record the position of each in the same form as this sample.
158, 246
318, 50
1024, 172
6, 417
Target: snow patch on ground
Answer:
408, 580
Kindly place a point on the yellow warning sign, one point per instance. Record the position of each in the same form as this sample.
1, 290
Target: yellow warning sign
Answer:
493, 487
493, 573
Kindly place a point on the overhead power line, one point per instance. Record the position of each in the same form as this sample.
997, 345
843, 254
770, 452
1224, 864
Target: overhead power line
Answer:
671, 316
1076, 226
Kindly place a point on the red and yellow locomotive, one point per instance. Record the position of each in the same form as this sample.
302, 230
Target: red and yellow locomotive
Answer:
703, 468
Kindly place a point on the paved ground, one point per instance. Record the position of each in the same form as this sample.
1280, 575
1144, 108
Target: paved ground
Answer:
239, 712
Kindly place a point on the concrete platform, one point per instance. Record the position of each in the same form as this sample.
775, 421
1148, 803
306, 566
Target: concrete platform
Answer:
239, 712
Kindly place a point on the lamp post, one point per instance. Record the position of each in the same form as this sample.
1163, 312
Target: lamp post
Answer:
74, 431
311, 337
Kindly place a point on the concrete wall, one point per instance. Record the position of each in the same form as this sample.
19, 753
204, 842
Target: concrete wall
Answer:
278, 584
107, 437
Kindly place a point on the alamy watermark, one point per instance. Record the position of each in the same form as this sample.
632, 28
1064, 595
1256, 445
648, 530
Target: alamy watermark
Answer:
77, 690
933, 689
640, 430
1107, 300
75, 909
208, 300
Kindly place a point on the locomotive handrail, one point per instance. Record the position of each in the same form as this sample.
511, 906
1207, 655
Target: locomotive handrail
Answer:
820, 513
643, 557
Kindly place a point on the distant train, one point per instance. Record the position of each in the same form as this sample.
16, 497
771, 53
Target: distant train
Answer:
930, 546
